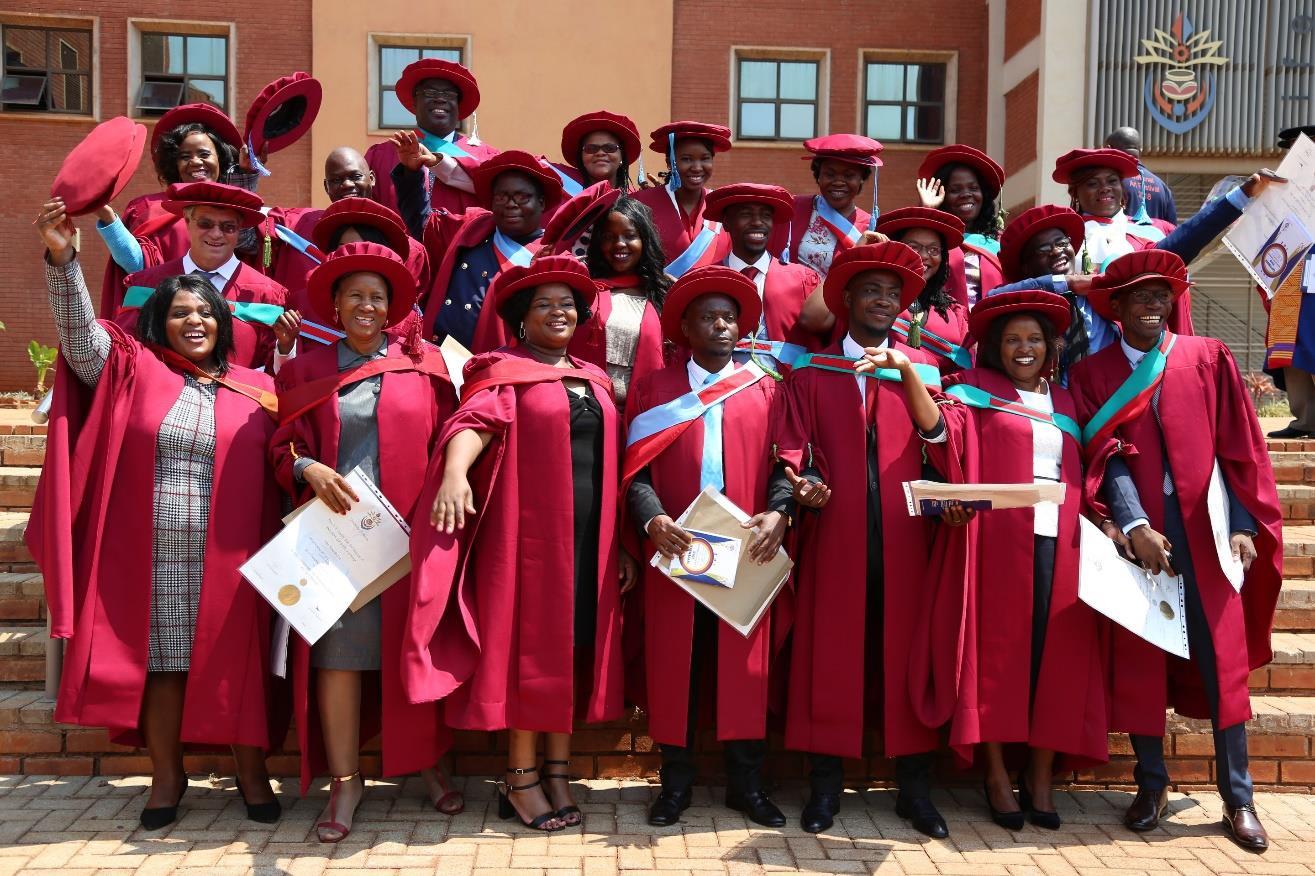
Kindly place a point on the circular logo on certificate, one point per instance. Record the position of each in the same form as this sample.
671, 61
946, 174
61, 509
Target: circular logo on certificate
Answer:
1166, 609
1273, 258
289, 594
698, 557
371, 520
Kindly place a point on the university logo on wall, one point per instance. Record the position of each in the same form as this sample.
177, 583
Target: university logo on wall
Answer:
1181, 78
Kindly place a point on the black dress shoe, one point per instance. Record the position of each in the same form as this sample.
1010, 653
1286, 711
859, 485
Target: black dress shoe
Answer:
1245, 829
666, 809
163, 816
1008, 820
923, 814
819, 812
1288, 432
265, 813
1039, 817
757, 806
1147, 808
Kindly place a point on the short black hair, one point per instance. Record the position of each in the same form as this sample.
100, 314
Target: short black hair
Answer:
155, 313
988, 349
368, 233
166, 153
816, 165
519, 305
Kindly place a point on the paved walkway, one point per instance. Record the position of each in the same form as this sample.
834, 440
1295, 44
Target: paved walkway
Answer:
86, 826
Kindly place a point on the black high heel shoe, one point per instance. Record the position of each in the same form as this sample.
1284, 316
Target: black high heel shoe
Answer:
1047, 820
1008, 820
265, 813
570, 814
506, 811
163, 816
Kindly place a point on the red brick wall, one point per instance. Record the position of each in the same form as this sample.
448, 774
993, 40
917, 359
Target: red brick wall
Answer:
1020, 124
1022, 23
270, 40
702, 80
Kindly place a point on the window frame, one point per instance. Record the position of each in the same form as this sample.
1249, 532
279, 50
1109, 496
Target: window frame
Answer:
51, 26
949, 98
137, 78
185, 78
778, 101
378, 89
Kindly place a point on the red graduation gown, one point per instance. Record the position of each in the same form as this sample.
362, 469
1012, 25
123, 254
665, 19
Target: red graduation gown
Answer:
742, 663
92, 537
162, 235
823, 423
492, 605
785, 290
253, 343
678, 230
446, 235
412, 409
382, 158
953, 327
988, 266
985, 582
1207, 414
590, 340
290, 267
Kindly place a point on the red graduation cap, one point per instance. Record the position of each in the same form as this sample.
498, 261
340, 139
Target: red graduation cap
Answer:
98, 169
358, 257
948, 226
718, 135
717, 200
1133, 269
708, 280
571, 219
437, 68
212, 194
201, 113
1075, 160
618, 126
484, 175
361, 211
989, 309
991, 174
1029, 224
888, 256
850, 148
283, 111
545, 269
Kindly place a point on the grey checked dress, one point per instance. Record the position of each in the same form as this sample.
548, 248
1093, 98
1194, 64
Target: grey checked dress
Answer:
184, 474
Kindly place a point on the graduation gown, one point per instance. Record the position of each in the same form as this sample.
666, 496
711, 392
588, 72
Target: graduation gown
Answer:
590, 340
413, 406
492, 623
678, 230
984, 586
92, 537
990, 275
446, 235
785, 290
1207, 415
253, 343
162, 236
953, 327
741, 670
382, 158
823, 425
803, 218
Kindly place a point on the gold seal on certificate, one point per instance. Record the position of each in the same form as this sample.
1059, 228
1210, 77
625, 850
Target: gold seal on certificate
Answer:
709, 559
289, 594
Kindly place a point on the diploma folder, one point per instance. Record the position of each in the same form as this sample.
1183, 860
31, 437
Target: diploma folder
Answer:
742, 602
1149, 606
931, 498
322, 563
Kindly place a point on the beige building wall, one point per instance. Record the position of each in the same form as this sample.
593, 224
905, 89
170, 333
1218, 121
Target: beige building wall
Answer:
539, 64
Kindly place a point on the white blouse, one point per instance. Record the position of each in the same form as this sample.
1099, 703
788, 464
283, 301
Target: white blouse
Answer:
1047, 458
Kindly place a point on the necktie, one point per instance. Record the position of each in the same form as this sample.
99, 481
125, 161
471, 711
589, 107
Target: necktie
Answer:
1164, 449
711, 473
209, 276
750, 271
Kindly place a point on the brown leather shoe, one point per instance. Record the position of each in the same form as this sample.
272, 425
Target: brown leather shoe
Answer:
1245, 828
1147, 808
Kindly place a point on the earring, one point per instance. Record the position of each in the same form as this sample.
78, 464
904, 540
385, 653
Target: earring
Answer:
337, 319
521, 333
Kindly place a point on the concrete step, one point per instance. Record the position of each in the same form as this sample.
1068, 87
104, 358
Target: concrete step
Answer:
23, 653
22, 597
18, 484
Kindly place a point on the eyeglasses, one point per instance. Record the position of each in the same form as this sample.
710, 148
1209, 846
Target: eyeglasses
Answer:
595, 148
931, 252
434, 95
1053, 246
1146, 296
227, 228
520, 199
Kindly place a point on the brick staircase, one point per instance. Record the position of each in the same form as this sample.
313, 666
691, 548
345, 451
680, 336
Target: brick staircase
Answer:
1283, 693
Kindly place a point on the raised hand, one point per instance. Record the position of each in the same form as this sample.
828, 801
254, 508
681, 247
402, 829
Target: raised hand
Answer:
931, 192
57, 231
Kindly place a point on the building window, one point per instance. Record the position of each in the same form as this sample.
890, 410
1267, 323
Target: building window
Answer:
392, 61
181, 68
775, 100
47, 70
904, 103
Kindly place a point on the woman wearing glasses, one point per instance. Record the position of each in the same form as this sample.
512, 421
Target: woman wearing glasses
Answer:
937, 321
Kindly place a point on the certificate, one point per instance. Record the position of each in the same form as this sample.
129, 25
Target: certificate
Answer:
1150, 606
1276, 232
317, 566
931, 498
717, 571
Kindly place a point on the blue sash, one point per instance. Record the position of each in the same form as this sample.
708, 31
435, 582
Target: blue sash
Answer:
441, 145
841, 227
695, 251
509, 251
299, 243
247, 311
569, 185
930, 374
691, 405
976, 397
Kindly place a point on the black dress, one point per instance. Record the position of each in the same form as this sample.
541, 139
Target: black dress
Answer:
587, 499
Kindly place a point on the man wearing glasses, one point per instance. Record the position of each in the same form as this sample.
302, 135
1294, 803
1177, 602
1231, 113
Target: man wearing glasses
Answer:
442, 94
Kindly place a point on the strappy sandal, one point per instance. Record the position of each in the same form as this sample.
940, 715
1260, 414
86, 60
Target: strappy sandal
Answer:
570, 815
452, 801
336, 827
506, 811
